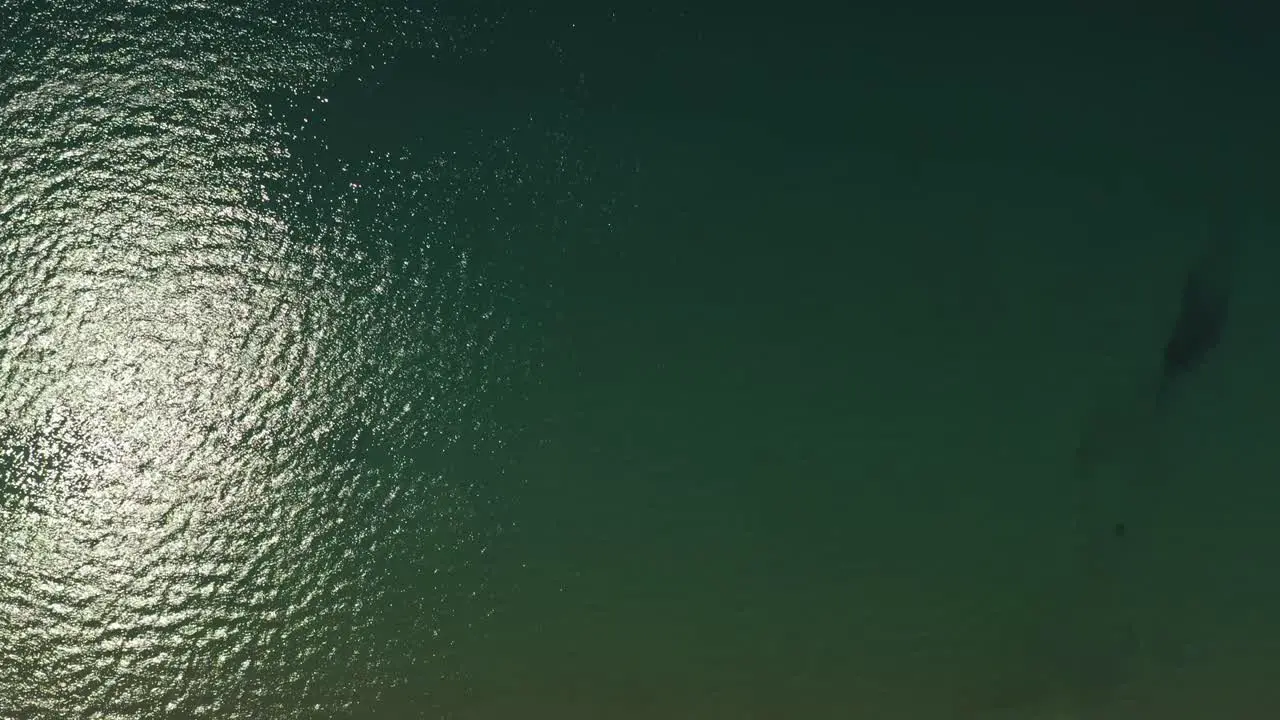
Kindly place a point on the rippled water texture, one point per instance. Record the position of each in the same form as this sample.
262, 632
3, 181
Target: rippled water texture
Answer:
252, 345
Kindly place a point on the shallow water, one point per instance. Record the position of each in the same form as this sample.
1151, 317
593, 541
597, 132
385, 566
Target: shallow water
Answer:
364, 361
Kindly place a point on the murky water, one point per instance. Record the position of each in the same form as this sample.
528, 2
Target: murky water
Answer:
383, 361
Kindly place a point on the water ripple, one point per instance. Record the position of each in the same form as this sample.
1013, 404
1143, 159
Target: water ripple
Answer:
249, 378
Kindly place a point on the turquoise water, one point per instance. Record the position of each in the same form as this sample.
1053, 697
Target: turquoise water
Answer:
383, 361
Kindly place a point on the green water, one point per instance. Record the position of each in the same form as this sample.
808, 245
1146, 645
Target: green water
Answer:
482, 361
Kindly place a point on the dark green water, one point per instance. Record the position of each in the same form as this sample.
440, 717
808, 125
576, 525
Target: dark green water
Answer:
481, 361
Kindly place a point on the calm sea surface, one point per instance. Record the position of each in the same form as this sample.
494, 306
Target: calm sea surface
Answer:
474, 360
